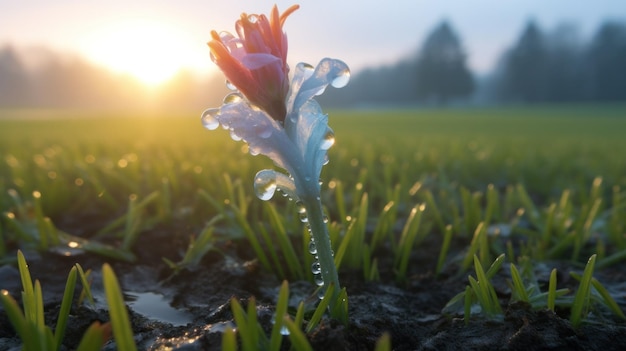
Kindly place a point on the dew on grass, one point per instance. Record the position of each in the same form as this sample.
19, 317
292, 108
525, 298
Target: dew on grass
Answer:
312, 247
265, 184
283, 328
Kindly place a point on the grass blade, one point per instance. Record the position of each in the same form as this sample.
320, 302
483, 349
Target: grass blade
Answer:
296, 336
66, 304
281, 311
122, 331
583, 294
552, 290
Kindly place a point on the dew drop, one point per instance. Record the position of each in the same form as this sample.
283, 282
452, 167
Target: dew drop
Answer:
300, 207
304, 218
316, 268
329, 140
307, 69
265, 184
319, 281
209, 118
234, 135
283, 328
325, 219
342, 79
230, 85
312, 248
232, 98
253, 18
253, 151
320, 293
264, 131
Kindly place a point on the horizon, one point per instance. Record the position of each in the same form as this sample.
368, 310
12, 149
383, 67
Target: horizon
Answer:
126, 38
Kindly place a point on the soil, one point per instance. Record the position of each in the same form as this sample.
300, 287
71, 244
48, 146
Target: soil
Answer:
189, 311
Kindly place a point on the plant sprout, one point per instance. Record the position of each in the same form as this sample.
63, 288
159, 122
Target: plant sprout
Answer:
278, 117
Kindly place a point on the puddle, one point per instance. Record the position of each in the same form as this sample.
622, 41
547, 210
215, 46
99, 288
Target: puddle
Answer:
156, 307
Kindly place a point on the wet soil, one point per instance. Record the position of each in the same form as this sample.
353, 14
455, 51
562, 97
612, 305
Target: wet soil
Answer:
189, 311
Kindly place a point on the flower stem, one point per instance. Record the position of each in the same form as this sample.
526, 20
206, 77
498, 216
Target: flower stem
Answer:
319, 231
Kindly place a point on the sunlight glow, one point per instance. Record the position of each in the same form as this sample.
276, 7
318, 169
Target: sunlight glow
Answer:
152, 51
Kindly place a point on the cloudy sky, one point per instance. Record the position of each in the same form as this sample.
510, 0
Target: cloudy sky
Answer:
159, 37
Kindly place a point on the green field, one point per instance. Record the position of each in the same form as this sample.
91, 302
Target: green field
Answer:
411, 196
85, 161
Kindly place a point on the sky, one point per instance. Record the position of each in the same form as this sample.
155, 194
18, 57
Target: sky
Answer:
156, 38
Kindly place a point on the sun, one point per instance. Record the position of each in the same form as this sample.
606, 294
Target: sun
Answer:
150, 50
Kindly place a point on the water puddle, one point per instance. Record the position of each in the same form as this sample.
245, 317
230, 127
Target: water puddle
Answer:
156, 307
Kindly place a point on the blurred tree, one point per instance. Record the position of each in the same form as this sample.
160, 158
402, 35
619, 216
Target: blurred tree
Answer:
525, 67
442, 73
565, 70
607, 61
14, 80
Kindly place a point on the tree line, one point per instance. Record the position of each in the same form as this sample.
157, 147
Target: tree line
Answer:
539, 67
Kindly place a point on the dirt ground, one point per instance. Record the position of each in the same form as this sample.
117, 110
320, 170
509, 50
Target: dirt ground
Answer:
188, 311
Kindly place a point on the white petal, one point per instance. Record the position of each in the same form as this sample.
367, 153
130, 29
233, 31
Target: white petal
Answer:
305, 85
262, 133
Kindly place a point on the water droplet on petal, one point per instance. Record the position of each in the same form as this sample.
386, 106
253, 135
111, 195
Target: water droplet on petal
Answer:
234, 135
342, 79
264, 131
329, 140
209, 118
316, 268
307, 69
265, 184
253, 18
232, 98
230, 85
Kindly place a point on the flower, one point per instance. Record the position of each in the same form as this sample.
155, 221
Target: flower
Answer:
256, 62
280, 119
299, 145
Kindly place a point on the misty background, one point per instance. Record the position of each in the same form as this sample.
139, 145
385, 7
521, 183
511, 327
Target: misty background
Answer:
540, 66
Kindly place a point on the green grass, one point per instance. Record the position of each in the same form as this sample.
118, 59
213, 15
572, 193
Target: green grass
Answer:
552, 175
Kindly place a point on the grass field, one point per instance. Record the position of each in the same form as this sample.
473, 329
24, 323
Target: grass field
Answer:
519, 185
85, 160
